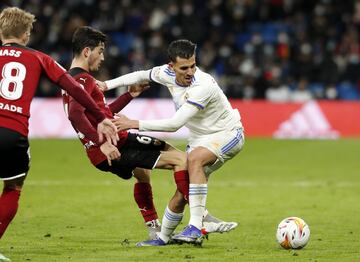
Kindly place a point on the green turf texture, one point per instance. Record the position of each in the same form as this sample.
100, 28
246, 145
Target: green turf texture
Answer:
69, 211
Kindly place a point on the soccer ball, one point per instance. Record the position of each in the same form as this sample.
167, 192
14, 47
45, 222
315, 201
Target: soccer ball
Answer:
293, 232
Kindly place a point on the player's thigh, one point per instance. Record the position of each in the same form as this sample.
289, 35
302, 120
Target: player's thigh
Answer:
122, 171
16, 183
224, 145
15, 157
172, 159
140, 151
202, 156
149, 153
130, 160
143, 142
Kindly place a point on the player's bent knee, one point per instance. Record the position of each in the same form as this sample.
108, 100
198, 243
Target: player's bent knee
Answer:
14, 184
194, 160
200, 158
172, 160
142, 175
180, 159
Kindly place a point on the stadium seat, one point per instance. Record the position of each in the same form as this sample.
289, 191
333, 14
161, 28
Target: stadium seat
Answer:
317, 89
123, 41
348, 91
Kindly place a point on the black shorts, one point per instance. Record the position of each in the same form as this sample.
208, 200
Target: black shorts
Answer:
138, 151
14, 157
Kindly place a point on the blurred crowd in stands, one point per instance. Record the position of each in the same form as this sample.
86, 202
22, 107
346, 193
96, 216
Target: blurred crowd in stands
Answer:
281, 50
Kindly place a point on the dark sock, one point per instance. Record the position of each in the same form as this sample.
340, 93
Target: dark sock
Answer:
144, 199
182, 182
8, 208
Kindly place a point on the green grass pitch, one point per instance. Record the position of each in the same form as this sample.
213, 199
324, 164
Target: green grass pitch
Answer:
71, 212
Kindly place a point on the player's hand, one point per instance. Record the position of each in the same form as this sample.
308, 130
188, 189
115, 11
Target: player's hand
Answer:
136, 89
110, 151
102, 86
123, 123
108, 129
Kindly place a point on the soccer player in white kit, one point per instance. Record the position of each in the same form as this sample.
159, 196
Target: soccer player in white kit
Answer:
216, 131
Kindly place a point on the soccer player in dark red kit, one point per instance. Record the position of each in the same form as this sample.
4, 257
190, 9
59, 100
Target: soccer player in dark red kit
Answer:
134, 154
21, 68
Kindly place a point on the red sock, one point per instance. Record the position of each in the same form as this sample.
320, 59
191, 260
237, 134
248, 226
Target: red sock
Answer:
182, 182
144, 199
8, 208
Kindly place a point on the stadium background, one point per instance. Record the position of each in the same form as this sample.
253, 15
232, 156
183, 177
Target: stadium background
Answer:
255, 48
270, 57
286, 52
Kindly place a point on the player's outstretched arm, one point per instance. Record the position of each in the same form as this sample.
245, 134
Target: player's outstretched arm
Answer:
125, 80
179, 119
124, 123
124, 99
105, 127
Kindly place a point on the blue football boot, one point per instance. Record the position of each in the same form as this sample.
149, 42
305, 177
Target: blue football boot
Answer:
190, 234
151, 243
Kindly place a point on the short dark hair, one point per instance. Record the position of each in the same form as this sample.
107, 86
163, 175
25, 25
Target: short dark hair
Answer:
181, 48
86, 36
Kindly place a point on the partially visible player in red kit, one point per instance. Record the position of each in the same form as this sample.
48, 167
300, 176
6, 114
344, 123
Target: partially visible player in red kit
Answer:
134, 154
21, 68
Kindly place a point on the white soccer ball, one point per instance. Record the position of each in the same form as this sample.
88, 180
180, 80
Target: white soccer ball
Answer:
293, 232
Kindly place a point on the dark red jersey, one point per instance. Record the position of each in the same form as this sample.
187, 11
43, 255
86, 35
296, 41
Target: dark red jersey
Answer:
20, 69
83, 122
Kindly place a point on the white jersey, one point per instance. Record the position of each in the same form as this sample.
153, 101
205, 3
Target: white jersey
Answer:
215, 112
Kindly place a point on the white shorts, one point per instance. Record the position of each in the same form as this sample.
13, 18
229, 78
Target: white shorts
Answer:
225, 145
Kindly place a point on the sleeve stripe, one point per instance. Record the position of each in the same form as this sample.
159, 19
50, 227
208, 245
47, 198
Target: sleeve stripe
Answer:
169, 73
195, 104
150, 76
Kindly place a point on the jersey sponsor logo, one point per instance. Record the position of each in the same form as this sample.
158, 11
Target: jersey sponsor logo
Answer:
89, 144
11, 52
143, 209
11, 108
82, 79
308, 122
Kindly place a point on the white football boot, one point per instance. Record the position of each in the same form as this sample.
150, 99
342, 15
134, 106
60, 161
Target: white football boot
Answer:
154, 228
4, 258
212, 224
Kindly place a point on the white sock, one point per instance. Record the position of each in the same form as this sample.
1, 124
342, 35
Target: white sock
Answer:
169, 222
197, 203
